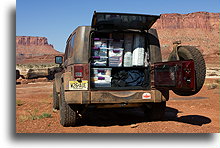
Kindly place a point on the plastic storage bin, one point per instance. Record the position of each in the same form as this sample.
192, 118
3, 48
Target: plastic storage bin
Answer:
99, 51
128, 59
138, 53
115, 57
115, 52
101, 72
98, 42
138, 57
99, 61
101, 81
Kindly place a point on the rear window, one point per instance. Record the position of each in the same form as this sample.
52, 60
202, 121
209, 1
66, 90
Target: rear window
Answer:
71, 45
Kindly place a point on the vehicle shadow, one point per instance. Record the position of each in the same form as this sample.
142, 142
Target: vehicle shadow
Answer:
171, 115
121, 117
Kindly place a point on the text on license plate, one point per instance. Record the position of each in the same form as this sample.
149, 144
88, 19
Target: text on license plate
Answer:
75, 85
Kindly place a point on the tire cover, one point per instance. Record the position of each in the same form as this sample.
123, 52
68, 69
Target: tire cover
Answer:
191, 52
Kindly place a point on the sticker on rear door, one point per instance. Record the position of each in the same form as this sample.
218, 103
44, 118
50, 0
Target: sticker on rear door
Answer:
146, 96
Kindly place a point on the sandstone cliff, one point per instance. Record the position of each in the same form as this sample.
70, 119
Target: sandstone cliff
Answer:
200, 29
29, 45
198, 20
34, 50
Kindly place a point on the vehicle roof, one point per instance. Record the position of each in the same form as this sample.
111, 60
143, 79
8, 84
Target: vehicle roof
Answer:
75, 31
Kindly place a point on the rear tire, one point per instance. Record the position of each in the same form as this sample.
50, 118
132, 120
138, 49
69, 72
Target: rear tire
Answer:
17, 74
187, 53
55, 97
155, 111
68, 115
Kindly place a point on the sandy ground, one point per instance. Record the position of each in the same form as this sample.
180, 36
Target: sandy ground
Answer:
195, 114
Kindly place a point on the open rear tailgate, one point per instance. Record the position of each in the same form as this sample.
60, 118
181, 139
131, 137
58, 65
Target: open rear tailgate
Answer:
122, 21
178, 75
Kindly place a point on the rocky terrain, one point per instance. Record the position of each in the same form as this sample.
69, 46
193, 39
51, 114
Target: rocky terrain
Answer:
194, 114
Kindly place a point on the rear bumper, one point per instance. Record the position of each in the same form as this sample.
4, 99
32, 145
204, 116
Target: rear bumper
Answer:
113, 97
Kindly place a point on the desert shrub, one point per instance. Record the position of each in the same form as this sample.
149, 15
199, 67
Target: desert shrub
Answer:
30, 66
217, 81
45, 115
34, 116
19, 102
212, 86
23, 118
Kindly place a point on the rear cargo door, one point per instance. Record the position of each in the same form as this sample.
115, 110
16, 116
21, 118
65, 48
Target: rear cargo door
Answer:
122, 21
174, 75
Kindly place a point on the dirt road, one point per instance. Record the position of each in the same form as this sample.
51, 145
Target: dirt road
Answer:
196, 114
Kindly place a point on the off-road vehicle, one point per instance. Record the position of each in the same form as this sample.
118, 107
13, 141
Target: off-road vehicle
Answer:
117, 62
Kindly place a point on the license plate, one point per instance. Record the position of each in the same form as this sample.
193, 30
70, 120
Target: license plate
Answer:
75, 85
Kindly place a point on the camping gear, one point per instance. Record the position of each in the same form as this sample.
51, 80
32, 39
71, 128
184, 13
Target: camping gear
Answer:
102, 72
99, 61
115, 57
138, 53
125, 78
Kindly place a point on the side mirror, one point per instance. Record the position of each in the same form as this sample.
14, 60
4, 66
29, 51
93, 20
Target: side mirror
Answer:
58, 59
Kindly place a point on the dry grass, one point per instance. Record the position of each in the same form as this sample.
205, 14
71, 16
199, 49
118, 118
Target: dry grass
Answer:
212, 86
19, 102
23, 118
217, 81
33, 115
212, 83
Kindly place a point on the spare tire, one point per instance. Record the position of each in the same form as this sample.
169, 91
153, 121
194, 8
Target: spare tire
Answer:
55, 97
187, 53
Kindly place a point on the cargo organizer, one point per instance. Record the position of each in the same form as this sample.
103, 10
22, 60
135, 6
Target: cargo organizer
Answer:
119, 60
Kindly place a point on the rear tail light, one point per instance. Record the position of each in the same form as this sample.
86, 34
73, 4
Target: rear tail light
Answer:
78, 71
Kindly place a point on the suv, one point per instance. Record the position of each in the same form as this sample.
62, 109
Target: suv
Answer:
117, 62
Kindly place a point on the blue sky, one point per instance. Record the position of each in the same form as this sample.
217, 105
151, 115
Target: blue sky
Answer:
56, 19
